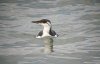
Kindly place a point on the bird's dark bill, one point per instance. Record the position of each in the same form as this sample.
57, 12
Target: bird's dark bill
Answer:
36, 22
41, 21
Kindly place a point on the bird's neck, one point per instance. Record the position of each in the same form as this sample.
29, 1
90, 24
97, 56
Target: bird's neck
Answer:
46, 29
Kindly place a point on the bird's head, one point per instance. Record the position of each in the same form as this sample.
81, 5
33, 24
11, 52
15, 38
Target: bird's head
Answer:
43, 22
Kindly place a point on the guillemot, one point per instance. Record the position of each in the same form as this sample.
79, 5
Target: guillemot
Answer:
47, 28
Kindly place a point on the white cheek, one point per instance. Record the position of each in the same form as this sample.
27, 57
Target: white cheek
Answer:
48, 23
44, 24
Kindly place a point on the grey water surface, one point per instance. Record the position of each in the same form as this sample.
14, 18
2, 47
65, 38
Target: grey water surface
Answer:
76, 21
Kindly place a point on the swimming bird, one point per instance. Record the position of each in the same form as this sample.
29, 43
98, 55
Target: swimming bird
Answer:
47, 28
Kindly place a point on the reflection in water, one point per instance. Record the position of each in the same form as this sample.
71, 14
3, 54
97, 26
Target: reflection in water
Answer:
48, 44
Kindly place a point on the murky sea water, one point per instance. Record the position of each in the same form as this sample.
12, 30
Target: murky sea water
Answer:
76, 22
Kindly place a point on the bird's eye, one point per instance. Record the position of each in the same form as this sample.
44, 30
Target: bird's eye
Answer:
44, 21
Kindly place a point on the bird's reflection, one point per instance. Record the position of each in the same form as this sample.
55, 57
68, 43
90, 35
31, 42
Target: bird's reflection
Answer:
48, 44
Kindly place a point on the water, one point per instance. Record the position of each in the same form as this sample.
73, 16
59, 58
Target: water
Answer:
76, 22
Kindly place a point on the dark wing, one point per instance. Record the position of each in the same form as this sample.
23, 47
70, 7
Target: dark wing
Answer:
53, 33
40, 33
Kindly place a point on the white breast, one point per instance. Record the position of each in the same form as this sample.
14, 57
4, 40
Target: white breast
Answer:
46, 30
